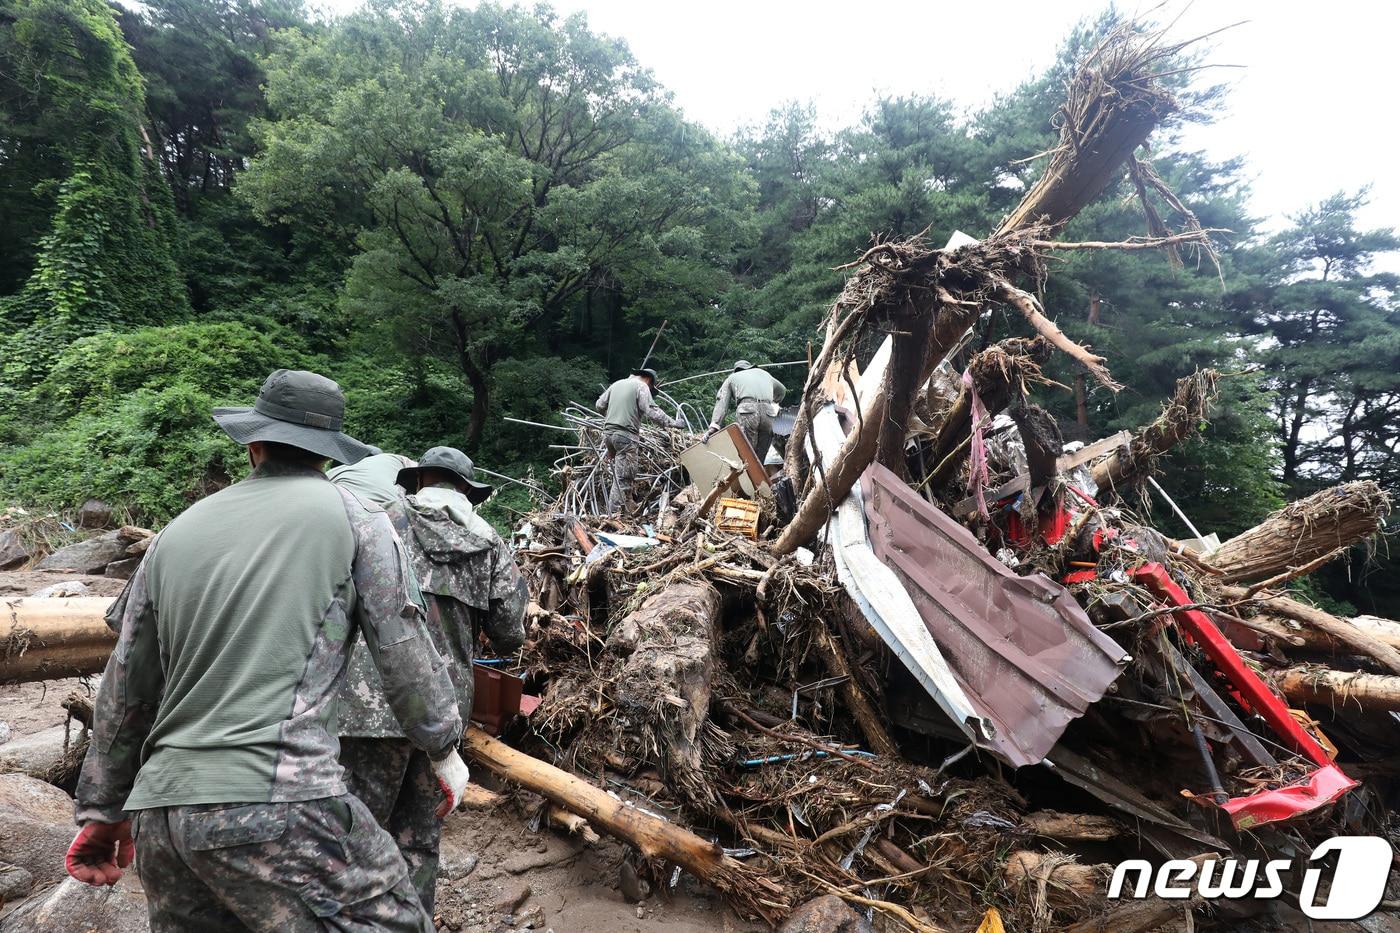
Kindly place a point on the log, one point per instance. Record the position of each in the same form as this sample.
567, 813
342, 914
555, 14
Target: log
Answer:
1067, 883
1357, 639
663, 687
1303, 534
857, 702
44, 639
1180, 418
1140, 916
655, 837
1081, 827
1315, 639
1112, 106
1339, 689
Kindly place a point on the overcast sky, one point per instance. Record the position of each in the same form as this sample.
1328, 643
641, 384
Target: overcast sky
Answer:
1313, 110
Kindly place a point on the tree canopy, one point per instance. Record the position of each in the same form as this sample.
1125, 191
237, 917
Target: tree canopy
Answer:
467, 214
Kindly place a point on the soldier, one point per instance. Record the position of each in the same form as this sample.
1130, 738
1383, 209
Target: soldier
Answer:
470, 582
756, 395
211, 751
625, 403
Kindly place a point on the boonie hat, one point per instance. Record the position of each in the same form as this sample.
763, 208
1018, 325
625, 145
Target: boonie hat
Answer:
453, 461
298, 408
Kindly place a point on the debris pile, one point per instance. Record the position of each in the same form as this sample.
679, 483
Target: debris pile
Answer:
946, 669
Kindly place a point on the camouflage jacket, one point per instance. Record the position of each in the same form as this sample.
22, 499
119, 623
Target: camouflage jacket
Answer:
470, 583
748, 385
234, 635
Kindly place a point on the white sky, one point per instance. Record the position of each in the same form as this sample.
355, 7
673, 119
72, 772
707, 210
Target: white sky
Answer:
1313, 110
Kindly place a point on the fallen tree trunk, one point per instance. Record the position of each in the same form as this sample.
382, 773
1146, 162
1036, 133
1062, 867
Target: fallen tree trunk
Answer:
832, 484
653, 836
1357, 639
1180, 418
1315, 639
44, 639
1081, 827
1325, 523
663, 685
1339, 689
1065, 882
1113, 104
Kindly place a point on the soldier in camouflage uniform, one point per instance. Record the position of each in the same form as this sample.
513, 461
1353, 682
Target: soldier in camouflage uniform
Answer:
470, 583
624, 404
755, 396
211, 751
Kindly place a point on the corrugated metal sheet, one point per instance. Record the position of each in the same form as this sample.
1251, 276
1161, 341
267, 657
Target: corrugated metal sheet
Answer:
1022, 649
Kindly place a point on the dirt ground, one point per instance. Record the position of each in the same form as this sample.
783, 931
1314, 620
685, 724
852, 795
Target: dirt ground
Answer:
30, 708
27, 582
574, 886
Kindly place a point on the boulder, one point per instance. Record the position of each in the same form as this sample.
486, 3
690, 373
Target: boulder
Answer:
62, 590
15, 883
14, 550
36, 827
95, 514
122, 569
37, 754
90, 556
826, 914
75, 906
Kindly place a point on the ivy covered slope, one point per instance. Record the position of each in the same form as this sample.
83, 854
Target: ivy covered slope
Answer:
466, 214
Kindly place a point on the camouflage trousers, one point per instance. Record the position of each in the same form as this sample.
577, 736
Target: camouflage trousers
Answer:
753, 419
623, 447
396, 782
297, 867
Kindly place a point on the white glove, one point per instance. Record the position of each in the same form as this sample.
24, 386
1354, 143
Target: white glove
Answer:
452, 777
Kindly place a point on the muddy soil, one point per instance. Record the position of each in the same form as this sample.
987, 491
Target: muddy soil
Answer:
573, 885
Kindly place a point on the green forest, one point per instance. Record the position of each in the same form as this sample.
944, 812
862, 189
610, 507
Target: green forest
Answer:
464, 215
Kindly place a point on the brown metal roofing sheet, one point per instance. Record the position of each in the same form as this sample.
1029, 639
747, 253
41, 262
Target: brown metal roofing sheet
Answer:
1021, 647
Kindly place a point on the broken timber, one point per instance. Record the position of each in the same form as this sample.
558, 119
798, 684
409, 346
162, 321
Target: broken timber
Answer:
42, 639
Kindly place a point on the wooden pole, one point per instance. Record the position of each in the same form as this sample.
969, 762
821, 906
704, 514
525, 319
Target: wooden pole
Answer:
45, 639
655, 837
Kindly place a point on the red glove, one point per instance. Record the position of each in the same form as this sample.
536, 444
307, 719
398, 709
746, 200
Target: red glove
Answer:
100, 852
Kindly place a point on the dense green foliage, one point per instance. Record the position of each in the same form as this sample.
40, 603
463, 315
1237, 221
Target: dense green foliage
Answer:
466, 214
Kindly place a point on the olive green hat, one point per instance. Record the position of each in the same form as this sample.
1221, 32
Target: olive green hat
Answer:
453, 461
297, 408
647, 371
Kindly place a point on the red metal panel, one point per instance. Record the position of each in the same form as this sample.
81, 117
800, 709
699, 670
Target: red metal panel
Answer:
1319, 788
1022, 649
